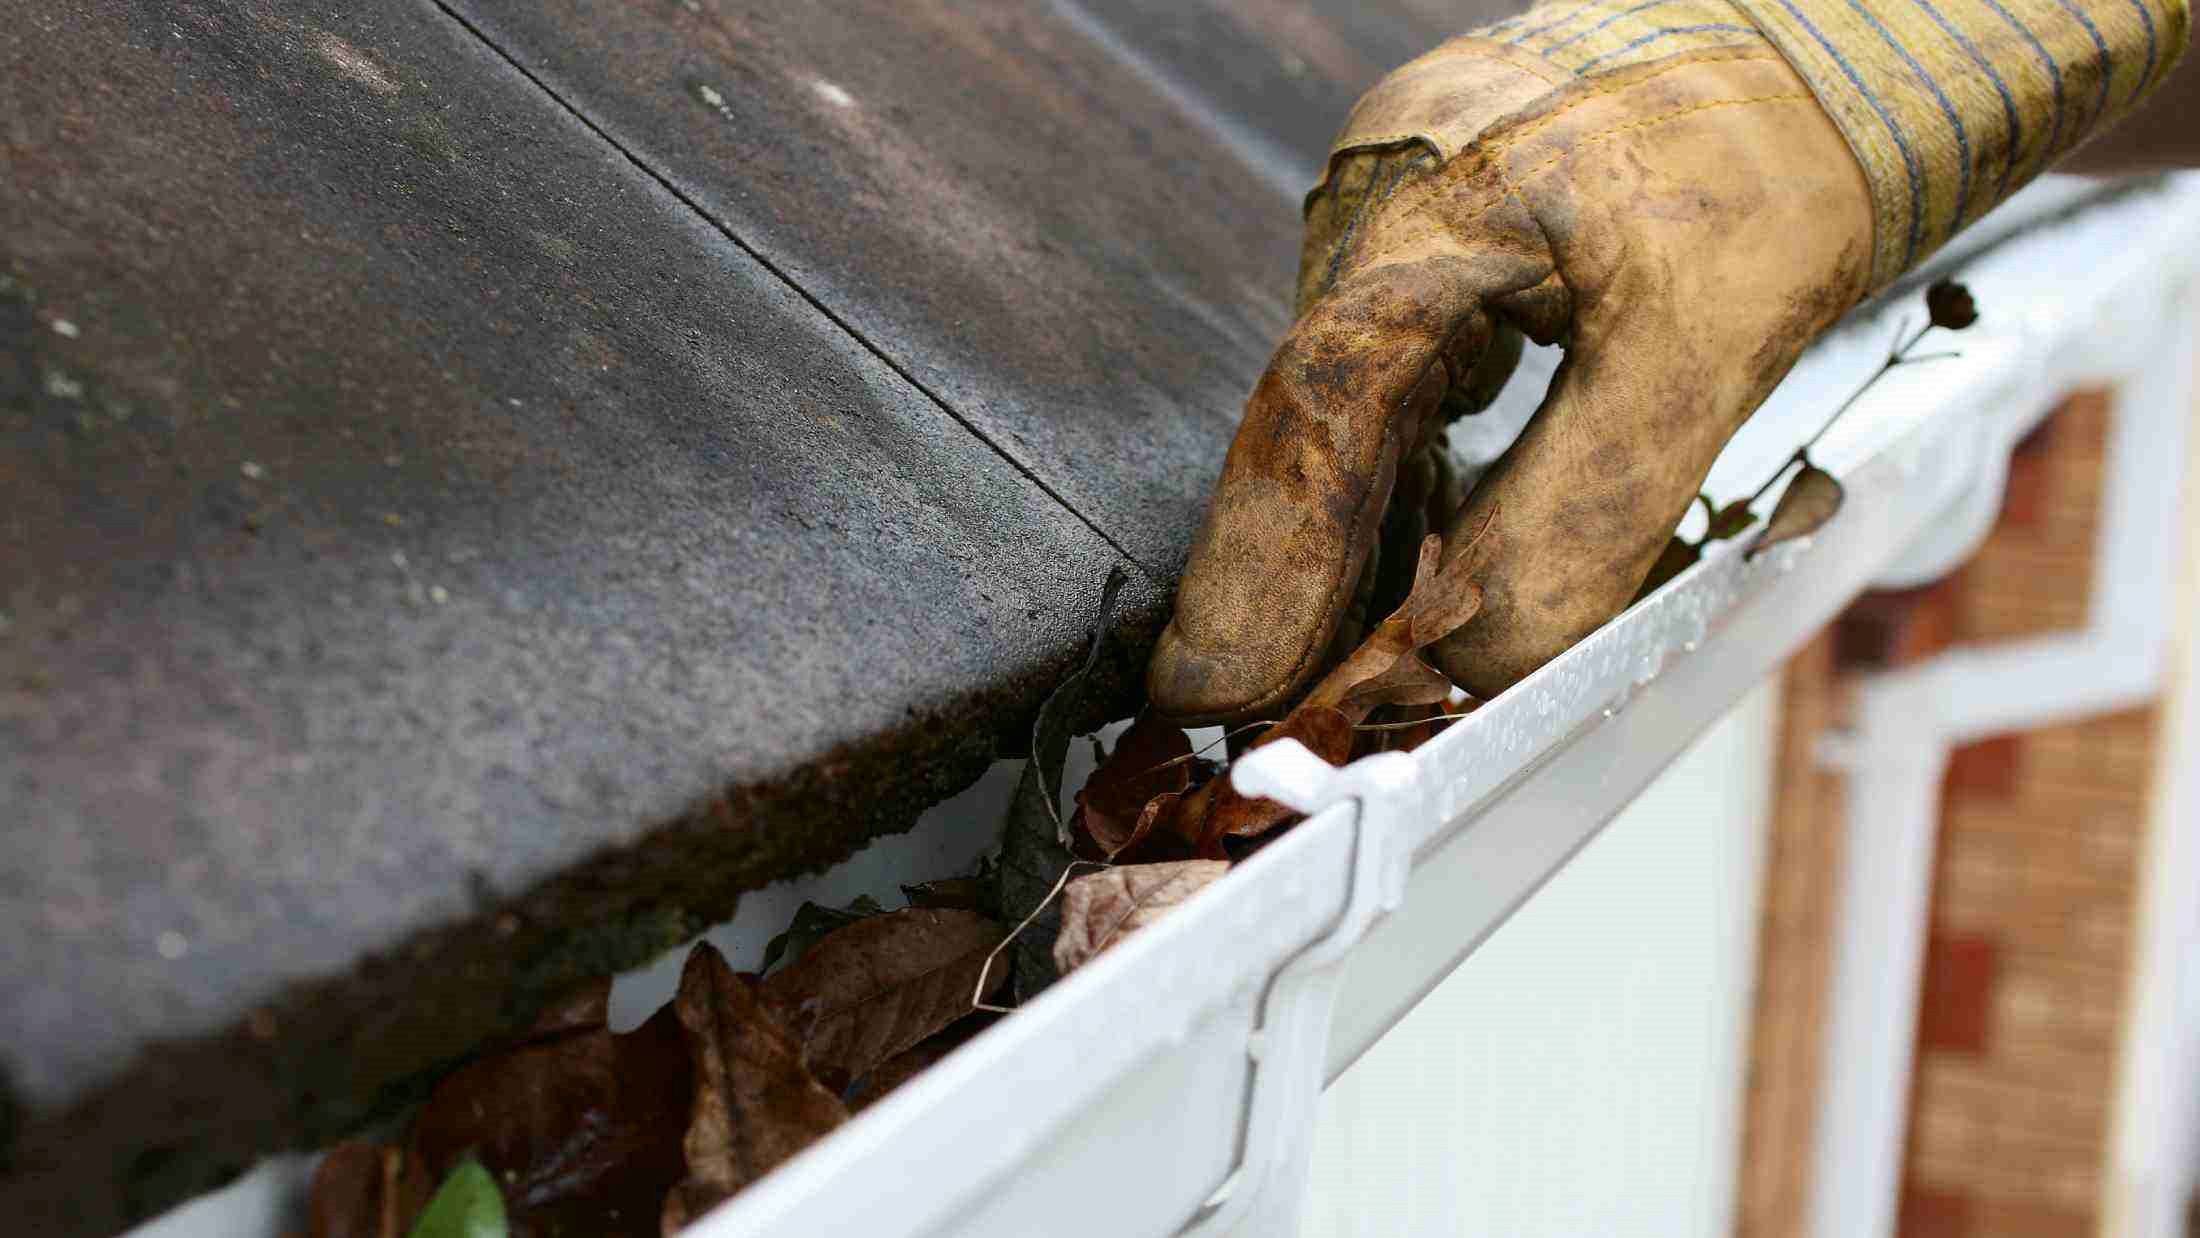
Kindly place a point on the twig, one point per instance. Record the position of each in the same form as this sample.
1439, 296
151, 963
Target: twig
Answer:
1898, 355
1193, 755
977, 996
1407, 726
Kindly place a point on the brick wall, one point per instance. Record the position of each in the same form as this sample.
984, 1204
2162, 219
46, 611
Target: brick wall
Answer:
2033, 903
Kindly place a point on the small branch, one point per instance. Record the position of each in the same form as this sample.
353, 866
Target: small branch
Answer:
977, 996
1904, 340
1193, 755
1407, 726
1779, 473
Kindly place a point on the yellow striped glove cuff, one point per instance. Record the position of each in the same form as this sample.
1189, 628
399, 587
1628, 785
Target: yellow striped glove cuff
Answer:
1949, 105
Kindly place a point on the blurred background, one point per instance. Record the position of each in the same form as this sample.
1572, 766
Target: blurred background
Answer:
1835, 946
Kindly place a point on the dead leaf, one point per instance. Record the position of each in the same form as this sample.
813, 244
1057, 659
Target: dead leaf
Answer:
1152, 759
364, 1190
1414, 725
1215, 810
580, 1127
755, 1104
915, 1060
1729, 521
1677, 557
878, 986
1805, 506
1035, 843
1443, 598
952, 893
1098, 909
812, 921
1156, 835
1407, 681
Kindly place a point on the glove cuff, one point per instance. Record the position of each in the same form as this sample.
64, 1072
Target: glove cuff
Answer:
1588, 39
1430, 102
1949, 105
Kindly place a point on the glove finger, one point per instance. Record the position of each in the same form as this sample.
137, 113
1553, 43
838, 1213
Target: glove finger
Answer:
1586, 497
1351, 392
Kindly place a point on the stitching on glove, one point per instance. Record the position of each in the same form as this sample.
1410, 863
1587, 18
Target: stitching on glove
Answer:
1505, 141
1614, 87
1496, 153
1349, 141
1600, 135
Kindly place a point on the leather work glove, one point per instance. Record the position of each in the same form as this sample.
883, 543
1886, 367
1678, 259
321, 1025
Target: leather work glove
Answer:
1684, 193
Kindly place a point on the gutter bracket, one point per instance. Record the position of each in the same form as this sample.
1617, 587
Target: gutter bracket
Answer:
1265, 1194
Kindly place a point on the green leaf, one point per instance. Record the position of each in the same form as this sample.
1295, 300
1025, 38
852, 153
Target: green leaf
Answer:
811, 922
467, 1205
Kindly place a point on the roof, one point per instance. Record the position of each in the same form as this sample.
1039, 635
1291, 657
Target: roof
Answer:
488, 483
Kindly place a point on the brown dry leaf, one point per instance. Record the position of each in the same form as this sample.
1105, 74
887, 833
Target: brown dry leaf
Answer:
954, 893
1805, 506
1407, 681
1099, 908
580, 1127
1152, 759
1730, 521
812, 921
878, 986
1444, 597
1155, 835
755, 1105
1216, 810
1035, 839
1423, 723
364, 1190
915, 1060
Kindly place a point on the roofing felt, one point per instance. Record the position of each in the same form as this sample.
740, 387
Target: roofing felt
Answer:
487, 482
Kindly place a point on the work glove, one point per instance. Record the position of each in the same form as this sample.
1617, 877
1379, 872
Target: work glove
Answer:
1682, 193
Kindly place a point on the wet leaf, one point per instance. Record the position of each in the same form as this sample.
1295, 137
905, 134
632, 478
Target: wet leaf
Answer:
1035, 843
915, 1060
467, 1205
581, 1126
1098, 909
811, 923
1805, 506
755, 1104
1152, 759
952, 893
870, 990
1677, 557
